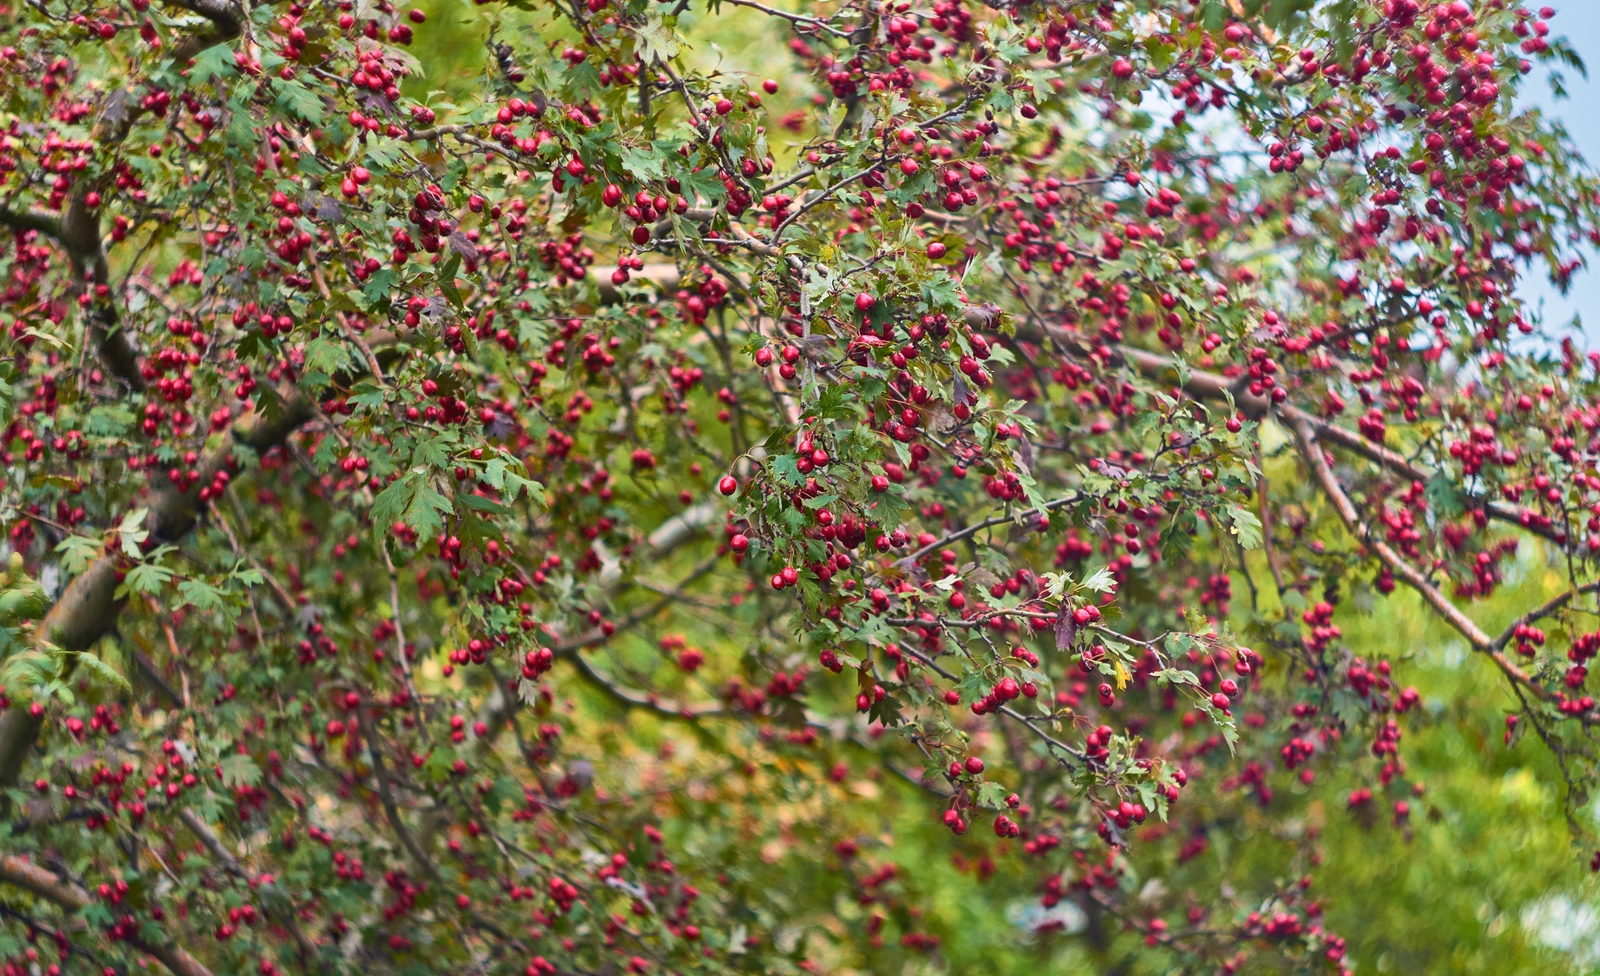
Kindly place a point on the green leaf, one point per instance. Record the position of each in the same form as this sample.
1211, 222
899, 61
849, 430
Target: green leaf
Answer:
412, 500
202, 595
393, 501
887, 711
375, 293
367, 394
29, 669
27, 601
786, 466
991, 795
133, 532
434, 451
300, 100
655, 41
147, 578
1178, 676
326, 356
440, 764
480, 504
447, 281
104, 670
643, 164
1246, 527
269, 405
213, 61
240, 770
1100, 581
109, 421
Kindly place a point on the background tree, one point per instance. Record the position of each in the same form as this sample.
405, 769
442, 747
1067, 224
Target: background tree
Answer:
603, 495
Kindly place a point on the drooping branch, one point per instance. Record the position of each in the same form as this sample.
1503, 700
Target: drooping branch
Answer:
1554, 605
1311, 451
1203, 385
213, 844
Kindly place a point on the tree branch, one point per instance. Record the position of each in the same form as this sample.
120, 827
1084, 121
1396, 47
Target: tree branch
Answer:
31, 219
227, 21
1213, 386
1540, 613
213, 844
42, 883
88, 609
1480, 641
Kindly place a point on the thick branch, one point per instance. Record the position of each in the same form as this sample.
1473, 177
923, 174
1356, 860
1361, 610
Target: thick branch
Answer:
227, 20
31, 219
1378, 454
226, 15
39, 881
419, 855
89, 607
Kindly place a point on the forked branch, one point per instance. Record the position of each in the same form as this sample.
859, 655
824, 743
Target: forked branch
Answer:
1480, 641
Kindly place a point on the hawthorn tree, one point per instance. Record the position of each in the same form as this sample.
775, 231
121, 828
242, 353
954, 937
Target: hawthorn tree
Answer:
380, 459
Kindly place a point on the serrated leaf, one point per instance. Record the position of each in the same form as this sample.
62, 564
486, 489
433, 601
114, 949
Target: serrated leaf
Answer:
393, 501
147, 578
644, 165
202, 595
786, 466
239, 770
991, 795
1100, 581
211, 62
300, 100
77, 552
1246, 527
1178, 676
133, 532
655, 41
886, 711
104, 670
426, 512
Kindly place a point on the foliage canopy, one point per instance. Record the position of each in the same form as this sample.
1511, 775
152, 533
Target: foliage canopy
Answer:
594, 508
